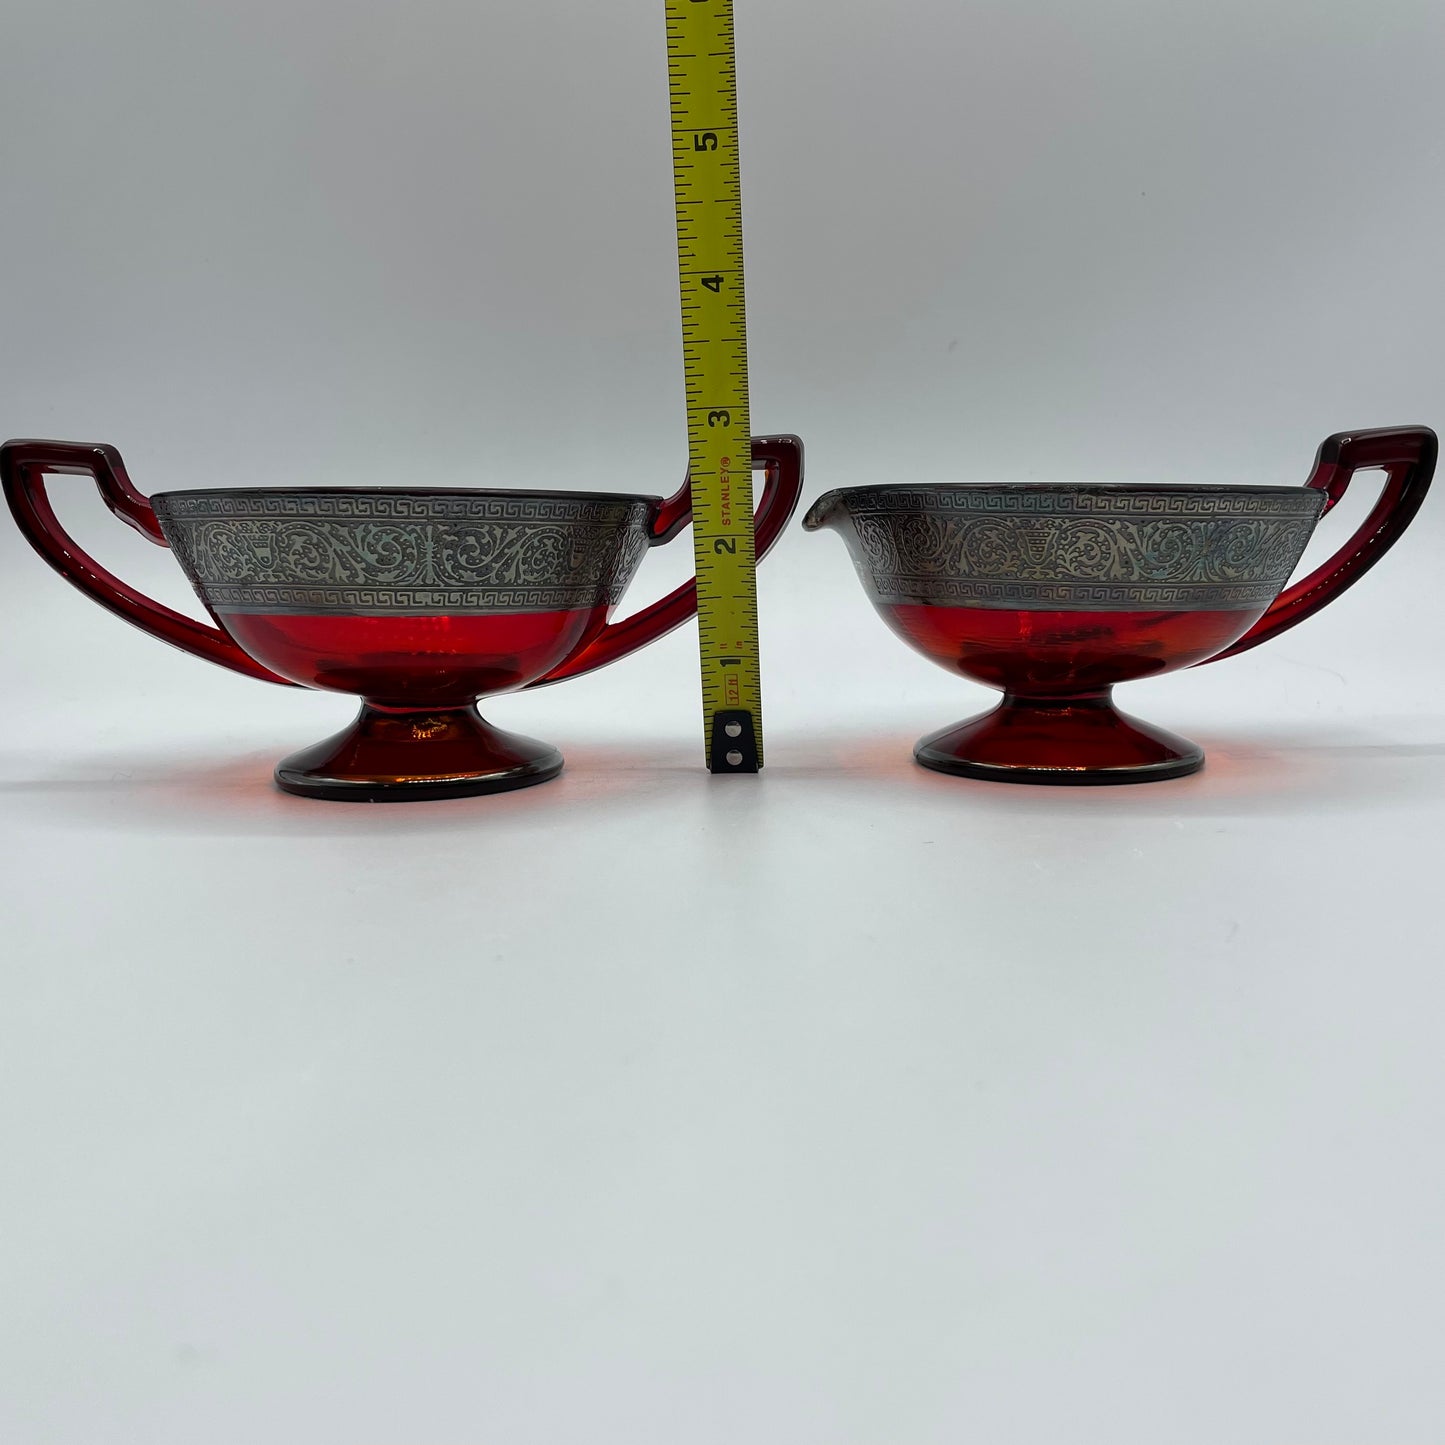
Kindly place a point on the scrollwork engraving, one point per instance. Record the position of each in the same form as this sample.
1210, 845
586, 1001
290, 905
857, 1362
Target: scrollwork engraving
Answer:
1080, 549
367, 554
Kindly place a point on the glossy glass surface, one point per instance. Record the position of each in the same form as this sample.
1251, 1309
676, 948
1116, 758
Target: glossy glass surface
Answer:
418, 734
1057, 654
1082, 738
1056, 671
1056, 722
415, 661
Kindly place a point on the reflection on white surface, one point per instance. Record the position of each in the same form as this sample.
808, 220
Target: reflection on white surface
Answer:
844, 1105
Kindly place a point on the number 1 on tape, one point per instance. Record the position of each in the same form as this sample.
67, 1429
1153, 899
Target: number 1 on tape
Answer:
702, 86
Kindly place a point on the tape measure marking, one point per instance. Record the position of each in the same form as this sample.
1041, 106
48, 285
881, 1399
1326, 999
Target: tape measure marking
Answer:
702, 83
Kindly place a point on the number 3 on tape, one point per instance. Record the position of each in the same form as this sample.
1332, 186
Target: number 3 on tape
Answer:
702, 84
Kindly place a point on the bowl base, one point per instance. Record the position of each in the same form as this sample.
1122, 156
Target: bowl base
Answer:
393, 756
1070, 741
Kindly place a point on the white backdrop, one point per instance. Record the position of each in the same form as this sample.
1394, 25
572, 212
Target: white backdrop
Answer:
848, 1104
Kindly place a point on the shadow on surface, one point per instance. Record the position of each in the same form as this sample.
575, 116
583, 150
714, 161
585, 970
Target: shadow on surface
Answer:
227, 795
1270, 772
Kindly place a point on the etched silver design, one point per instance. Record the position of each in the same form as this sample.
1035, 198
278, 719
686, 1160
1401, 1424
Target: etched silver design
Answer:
404, 554
1095, 549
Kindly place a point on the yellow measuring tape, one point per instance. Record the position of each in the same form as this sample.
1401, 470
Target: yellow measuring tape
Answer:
702, 83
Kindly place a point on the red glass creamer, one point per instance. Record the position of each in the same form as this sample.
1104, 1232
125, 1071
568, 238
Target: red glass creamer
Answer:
419, 600
1055, 592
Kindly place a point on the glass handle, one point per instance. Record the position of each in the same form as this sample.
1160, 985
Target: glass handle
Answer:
23, 467
781, 458
1407, 455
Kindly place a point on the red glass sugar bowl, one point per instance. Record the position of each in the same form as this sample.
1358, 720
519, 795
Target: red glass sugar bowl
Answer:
419, 600
1055, 592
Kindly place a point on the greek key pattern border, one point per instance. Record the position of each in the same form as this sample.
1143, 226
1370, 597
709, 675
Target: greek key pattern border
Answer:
398, 602
1074, 597
394, 507
1118, 501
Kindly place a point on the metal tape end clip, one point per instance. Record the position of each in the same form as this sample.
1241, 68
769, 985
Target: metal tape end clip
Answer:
733, 747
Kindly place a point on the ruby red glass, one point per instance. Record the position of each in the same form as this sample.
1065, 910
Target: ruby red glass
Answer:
418, 600
1055, 593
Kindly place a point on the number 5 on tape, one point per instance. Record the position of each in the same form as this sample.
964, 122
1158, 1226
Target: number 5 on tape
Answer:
702, 84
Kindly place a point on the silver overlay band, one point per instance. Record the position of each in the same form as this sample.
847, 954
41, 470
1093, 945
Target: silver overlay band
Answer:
1087, 549
402, 554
